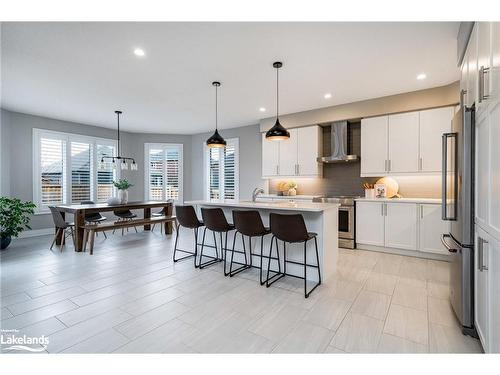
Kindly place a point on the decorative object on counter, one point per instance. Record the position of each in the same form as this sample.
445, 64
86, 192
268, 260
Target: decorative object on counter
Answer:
391, 186
287, 188
278, 131
380, 191
123, 160
216, 141
14, 218
123, 185
113, 201
369, 190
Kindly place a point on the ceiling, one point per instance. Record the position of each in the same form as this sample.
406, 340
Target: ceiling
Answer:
82, 72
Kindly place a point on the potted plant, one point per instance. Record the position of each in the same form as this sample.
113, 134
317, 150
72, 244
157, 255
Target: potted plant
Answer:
122, 185
292, 188
14, 218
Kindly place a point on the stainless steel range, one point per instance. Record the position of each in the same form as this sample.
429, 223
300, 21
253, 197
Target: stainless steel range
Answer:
347, 218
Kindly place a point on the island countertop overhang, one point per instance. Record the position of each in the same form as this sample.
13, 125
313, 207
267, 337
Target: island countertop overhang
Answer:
285, 206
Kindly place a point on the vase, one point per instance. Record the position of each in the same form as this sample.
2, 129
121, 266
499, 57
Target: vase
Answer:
292, 192
123, 195
5, 242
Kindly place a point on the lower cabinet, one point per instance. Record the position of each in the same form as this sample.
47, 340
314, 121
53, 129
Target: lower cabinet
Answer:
487, 290
405, 226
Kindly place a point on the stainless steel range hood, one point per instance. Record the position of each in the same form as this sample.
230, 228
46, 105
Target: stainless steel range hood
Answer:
339, 147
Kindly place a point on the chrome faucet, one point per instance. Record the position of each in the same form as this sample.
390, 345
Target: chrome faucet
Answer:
256, 192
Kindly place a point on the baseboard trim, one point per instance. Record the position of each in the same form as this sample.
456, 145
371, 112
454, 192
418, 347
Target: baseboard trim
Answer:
411, 253
36, 232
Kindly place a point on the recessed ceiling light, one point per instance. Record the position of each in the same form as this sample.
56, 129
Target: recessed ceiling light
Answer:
422, 76
327, 95
139, 52
262, 109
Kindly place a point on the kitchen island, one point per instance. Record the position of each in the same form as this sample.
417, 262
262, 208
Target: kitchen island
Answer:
321, 218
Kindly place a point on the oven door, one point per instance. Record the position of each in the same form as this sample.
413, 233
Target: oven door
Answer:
346, 225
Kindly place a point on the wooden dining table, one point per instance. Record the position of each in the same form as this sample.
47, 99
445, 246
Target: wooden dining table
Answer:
80, 210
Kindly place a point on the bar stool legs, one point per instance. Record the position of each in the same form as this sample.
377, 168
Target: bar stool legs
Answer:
248, 263
213, 260
190, 253
278, 275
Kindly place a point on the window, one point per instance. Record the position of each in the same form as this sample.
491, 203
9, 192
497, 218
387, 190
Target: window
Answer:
67, 169
163, 171
221, 171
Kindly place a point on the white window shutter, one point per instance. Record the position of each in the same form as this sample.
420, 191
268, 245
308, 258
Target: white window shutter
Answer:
52, 171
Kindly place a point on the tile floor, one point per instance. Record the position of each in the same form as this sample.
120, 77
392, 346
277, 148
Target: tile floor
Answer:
130, 298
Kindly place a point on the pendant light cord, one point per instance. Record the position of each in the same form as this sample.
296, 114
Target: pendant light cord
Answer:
118, 115
277, 93
216, 108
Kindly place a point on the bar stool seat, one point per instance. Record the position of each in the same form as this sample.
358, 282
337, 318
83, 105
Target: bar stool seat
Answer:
215, 220
187, 218
248, 223
291, 229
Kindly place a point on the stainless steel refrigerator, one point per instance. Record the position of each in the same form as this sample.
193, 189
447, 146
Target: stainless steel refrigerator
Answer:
458, 208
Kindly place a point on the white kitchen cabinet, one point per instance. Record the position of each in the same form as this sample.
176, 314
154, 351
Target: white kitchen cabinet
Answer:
308, 147
288, 154
481, 287
431, 227
296, 156
403, 142
494, 293
482, 170
270, 157
494, 172
401, 225
472, 70
374, 145
483, 65
495, 62
433, 123
370, 223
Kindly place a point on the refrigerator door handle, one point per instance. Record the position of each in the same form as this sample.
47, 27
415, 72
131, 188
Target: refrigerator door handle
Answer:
444, 202
445, 244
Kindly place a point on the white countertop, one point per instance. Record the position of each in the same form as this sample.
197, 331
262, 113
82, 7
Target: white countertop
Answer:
286, 206
401, 200
289, 197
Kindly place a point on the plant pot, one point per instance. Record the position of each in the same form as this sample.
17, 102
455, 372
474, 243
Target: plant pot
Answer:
5, 242
292, 192
123, 195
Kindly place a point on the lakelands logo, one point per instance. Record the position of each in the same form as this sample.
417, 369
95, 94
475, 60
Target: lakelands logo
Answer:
10, 340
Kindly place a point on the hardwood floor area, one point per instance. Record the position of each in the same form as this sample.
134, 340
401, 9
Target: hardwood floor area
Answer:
129, 297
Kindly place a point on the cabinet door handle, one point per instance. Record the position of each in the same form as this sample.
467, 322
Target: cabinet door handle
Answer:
421, 212
298, 169
382, 209
481, 266
482, 83
420, 164
389, 165
385, 209
385, 165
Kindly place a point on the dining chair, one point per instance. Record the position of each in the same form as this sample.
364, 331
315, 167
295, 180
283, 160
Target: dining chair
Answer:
94, 218
61, 227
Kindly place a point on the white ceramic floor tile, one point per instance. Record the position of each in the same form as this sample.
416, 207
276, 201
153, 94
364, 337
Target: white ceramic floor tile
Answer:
358, 334
438, 290
394, 344
407, 323
441, 312
328, 313
410, 296
278, 322
305, 338
381, 283
372, 304
105, 342
444, 339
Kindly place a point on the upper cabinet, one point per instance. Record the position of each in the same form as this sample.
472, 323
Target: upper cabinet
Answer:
296, 156
374, 141
405, 143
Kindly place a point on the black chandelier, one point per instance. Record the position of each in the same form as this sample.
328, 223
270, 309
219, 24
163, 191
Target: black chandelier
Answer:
216, 141
121, 159
278, 131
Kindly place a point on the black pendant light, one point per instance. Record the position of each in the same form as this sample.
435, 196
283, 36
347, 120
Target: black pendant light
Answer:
216, 141
123, 160
278, 131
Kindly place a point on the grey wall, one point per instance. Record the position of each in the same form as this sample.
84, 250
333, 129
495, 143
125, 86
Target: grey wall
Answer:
250, 160
16, 133
17, 146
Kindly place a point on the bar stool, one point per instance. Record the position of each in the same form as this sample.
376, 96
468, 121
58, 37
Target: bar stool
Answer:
248, 223
186, 217
291, 229
215, 220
